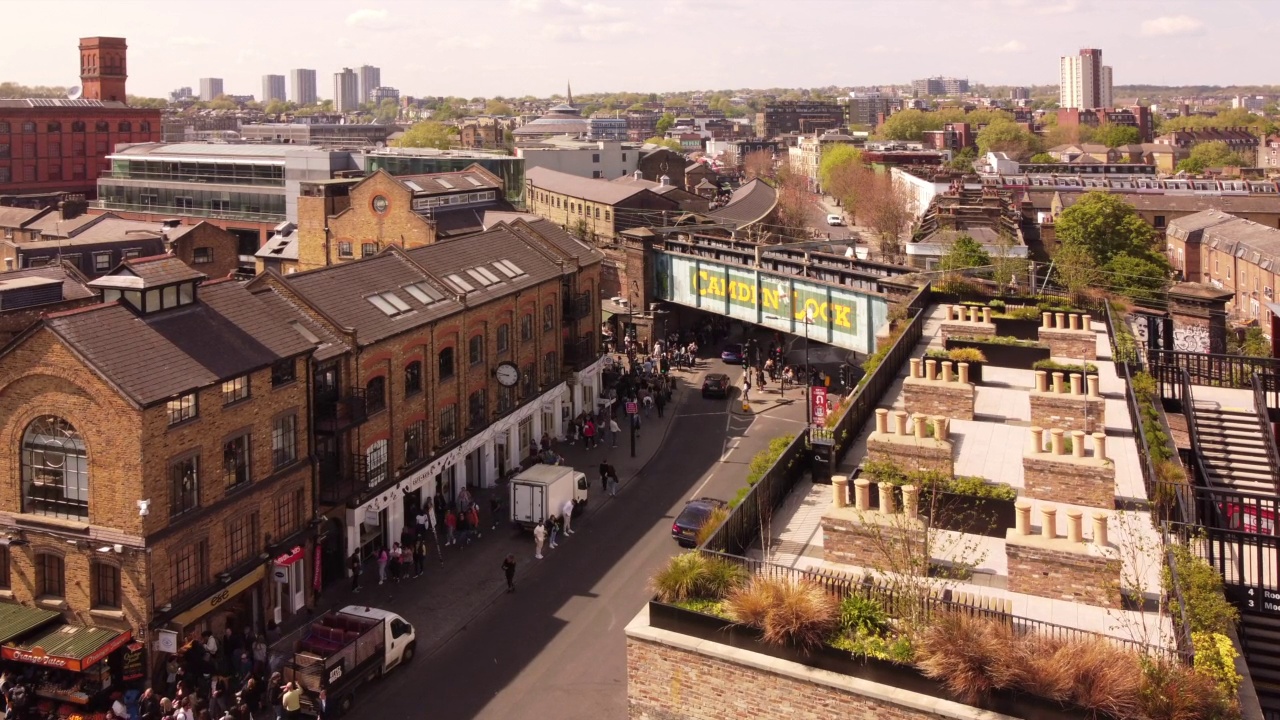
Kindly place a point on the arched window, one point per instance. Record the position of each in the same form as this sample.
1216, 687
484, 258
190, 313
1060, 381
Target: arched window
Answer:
102, 126
144, 126
125, 126
54, 127
375, 394
77, 126
55, 469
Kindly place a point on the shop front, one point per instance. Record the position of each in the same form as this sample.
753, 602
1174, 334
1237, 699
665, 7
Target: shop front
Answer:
72, 670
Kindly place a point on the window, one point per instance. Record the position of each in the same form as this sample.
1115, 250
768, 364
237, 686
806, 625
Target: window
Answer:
102, 261
1159, 223
100, 147
4, 150
595, 157
506, 400
368, 249
527, 380
190, 567
448, 424
4, 175
344, 249
28, 150
289, 512
624, 157
284, 440
235, 461
548, 317
104, 586
526, 327
376, 456
284, 372
389, 303
144, 126
28, 127
77, 126
77, 148
184, 485
375, 394
549, 368
202, 256
595, 175
55, 469
49, 576
242, 538
235, 389
504, 338
475, 350
446, 363
606, 214
29, 173
4, 567
55, 149
477, 405
413, 378
125, 126
597, 215
413, 445
102, 126
4, 126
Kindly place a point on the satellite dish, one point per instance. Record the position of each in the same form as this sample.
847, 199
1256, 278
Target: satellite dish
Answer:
74, 92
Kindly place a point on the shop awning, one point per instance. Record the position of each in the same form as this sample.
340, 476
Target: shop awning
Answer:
70, 647
17, 620
236, 587
605, 315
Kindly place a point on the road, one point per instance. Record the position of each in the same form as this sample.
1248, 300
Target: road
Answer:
556, 648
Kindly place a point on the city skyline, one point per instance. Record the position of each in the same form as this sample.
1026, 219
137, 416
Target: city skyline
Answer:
609, 45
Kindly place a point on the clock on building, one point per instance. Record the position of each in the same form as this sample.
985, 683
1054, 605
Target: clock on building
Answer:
507, 374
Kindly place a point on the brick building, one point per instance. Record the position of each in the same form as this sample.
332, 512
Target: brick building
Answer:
25, 295
61, 145
1136, 116
158, 455
783, 117
406, 385
1231, 254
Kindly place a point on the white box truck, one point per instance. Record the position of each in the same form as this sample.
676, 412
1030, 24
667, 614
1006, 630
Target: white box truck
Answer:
542, 490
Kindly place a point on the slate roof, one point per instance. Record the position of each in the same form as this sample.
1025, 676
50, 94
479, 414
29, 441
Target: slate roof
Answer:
749, 204
8, 103
601, 191
150, 358
1186, 203
561, 241
53, 225
455, 257
15, 217
282, 246
74, 285
328, 344
430, 183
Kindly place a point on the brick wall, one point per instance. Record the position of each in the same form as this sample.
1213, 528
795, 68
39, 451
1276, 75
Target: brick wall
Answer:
910, 454
934, 397
1074, 344
1082, 482
222, 250
956, 328
1063, 410
1063, 574
865, 538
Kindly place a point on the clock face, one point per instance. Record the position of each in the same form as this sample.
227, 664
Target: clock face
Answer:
380, 203
508, 374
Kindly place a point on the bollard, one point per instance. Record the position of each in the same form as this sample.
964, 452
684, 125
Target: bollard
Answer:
915, 368
964, 372
911, 501
1046, 320
840, 490
1077, 443
1022, 521
973, 314
1042, 381
1057, 382
1100, 446
1075, 525
1049, 522
882, 421
1100, 528
951, 313
1076, 387
862, 494
986, 315
946, 371
900, 422
1055, 438
1060, 321
1092, 382
1073, 321
886, 499
1086, 322
1037, 439
941, 427
921, 431
931, 369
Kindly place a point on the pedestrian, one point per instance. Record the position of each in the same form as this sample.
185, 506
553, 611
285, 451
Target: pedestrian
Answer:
613, 482
291, 701
393, 563
423, 521
406, 560
464, 498
614, 430
539, 537
473, 519
566, 512
419, 555
589, 434
450, 525
660, 403
382, 565
464, 528
509, 569
553, 528
439, 506
494, 505
604, 475
353, 564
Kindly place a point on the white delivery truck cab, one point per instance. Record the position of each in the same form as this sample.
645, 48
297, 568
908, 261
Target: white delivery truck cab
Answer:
542, 490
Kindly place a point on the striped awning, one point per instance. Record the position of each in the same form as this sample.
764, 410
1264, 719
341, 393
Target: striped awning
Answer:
70, 647
18, 620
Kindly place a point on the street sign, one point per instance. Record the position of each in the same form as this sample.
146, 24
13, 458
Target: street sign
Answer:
632, 407
818, 403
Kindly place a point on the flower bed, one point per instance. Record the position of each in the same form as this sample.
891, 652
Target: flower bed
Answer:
1003, 352
961, 355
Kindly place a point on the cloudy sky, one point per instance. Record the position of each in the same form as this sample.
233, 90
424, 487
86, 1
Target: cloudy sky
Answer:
519, 47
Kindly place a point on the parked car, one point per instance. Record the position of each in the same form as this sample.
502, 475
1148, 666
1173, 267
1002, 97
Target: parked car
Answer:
732, 354
715, 385
692, 518
834, 220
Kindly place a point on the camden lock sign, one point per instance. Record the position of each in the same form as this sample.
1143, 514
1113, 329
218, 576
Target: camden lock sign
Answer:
744, 294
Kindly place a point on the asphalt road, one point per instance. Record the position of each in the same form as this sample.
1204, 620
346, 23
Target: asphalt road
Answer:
556, 648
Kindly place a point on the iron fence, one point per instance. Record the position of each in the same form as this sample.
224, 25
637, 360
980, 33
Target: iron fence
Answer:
741, 528
1264, 388
1228, 371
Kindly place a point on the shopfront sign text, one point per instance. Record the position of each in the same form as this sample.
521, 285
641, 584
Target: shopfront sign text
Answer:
714, 284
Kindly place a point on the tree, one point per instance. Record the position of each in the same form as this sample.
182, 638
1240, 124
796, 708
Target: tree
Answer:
144, 102
387, 112
665, 122
965, 252
276, 108
909, 125
497, 107
1138, 278
889, 209
665, 142
1116, 135
834, 159
1104, 226
428, 134
963, 161
1076, 269
758, 164
795, 203
1010, 138
1212, 154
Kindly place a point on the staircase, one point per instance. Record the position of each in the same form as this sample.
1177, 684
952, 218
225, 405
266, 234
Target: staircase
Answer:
1261, 637
1234, 449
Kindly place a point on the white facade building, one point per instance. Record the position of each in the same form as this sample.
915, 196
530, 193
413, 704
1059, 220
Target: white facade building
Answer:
601, 159
1084, 82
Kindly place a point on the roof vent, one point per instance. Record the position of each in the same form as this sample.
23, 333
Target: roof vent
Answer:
664, 181
637, 175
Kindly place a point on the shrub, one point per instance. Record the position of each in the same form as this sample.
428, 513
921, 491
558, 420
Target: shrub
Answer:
714, 520
897, 649
997, 340
1023, 313
1037, 665
1055, 366
1173, 691
696, 575
976, 486
962, 651
1207, 608
788, 613
1215, 658
967, 355
766, 458
1106, 679
751, 603
720, 577
861, 614
884, 471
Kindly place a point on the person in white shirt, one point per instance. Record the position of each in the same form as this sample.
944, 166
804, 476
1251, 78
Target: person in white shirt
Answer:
539, 537
567, 511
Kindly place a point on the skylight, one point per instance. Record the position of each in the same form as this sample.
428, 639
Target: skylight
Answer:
488, 274
413, 186
512, 267
458, 283
474, 181
503, 269
484, 281
389, 303
423, 293
445, 183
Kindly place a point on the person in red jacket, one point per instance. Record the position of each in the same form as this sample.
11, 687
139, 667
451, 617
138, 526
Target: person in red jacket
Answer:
451, 524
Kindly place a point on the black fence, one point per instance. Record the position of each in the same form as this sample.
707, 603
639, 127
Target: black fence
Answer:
1228, 371
743, 526
1263, 393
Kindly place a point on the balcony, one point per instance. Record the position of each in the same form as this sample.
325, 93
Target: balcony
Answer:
337, 413
577, 307
580, 353
342, 477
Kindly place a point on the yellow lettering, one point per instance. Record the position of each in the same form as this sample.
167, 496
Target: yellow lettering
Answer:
770, 298
840, 315
701, 282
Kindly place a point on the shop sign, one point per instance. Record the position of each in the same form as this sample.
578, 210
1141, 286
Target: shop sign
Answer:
167, 641
315, 570
36, 656
818, 401
131, 666
290, 557
223, 595
632, 407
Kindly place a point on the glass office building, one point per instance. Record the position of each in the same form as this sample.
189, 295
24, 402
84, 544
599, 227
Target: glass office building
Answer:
420, 161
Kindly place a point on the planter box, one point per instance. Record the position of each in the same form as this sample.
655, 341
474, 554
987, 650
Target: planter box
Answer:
1000, 355
824, 657
975, 371
969, 514
1014, 327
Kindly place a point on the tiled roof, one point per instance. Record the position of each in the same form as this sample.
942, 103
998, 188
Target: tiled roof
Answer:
456, 257
280, 246
161, 270
15, 217
601, 191
53, 225
493, 217
328, 345
554, 235
60, 103
225, 334
74, 286
451, 182
749, 204
455, 223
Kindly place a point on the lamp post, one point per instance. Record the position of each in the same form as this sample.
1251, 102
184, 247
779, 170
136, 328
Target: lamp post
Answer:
808, 318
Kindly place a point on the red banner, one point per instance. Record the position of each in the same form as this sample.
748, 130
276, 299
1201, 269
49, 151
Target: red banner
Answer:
315, 569
818, 404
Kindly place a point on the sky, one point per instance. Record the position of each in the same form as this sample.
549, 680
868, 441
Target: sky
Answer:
534, 47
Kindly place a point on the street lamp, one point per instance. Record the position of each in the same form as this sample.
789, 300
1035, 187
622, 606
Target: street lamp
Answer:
808, 318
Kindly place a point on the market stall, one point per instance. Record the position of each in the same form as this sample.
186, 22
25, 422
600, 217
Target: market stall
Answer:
70, 669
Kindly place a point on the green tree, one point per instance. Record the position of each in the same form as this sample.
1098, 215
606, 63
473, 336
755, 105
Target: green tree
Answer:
665, 122
428, 134
387, 112
835, 158
909, 125
1104, 226
146, 102
1138, 278
1043, 157
1076, 269
963, 161
497, 107
1009, 138
1212, 154
965, 252
222, 102
665, 142
1253, 343
1116, 135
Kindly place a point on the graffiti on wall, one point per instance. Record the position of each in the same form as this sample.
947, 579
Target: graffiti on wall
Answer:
1191, 338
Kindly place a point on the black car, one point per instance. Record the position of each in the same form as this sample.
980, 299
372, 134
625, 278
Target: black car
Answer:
715, 385
692, 518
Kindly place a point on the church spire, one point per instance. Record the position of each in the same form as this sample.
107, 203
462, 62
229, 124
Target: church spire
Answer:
569, 88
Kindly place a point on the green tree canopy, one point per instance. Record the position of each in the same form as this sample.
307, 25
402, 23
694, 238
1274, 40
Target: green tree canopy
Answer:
965, 252
1010, 138
428, 134
1139, 278
665, 122
665, 142
497, 107
1104, 226
1212, 154
1116, 135
1075, 268
837, 157
1043, 157
910, 125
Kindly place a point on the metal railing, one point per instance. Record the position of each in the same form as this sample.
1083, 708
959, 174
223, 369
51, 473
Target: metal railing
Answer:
1270, 396
1261, 398
742, 527
341, 477
1229, 371
1181, 626
335, 413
